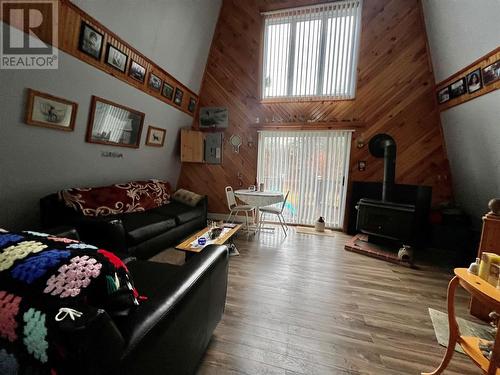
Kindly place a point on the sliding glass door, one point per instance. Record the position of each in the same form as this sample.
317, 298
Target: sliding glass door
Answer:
311, 165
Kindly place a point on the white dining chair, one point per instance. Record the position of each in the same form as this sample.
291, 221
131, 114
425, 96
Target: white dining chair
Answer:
234, 207
278, 211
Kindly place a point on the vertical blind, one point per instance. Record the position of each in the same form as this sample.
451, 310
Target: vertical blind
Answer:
311, 165
312, 51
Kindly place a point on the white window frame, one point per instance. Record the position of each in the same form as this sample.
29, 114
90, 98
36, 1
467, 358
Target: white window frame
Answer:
349, 92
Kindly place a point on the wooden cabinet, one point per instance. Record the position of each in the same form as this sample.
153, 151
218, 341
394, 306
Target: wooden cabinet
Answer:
192, 146
490, 243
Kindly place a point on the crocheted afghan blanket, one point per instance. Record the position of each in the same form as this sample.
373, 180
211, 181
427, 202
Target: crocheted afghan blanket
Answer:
48, 283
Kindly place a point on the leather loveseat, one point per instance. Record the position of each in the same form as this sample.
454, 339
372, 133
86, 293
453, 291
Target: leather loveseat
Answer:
137, 218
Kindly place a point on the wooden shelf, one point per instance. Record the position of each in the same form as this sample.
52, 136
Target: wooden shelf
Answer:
331, 125
470, 345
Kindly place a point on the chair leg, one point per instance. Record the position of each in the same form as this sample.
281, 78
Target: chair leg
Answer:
229, 216
284, 222
246, 222
261, 220
281, 223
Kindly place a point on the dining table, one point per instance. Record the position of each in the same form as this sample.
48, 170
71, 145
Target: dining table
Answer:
258, 199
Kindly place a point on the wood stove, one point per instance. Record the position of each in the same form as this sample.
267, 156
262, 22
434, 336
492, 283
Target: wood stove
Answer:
385, 219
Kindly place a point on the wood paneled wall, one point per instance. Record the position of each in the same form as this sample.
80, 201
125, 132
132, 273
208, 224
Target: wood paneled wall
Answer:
395, 95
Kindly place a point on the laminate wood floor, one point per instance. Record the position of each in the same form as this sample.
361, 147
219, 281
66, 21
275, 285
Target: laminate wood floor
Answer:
304, 305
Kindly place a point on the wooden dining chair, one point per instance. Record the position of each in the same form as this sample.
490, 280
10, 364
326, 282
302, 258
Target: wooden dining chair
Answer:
278, 211
234, 207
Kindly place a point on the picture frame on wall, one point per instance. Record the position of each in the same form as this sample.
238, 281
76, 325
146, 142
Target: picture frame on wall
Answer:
192, 105
116, 58
458, 88
137, 71
90, 41
474, 82
214, 117
49, 111
114, 124
155, 136
443, 95
178, 96
167, 91
491, 73
154, 82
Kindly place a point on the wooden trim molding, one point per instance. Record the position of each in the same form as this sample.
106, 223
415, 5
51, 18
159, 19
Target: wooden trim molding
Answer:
71, 18
480, 63
337, 125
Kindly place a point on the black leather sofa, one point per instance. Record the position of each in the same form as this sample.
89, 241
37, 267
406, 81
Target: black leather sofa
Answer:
140, 234
169, 332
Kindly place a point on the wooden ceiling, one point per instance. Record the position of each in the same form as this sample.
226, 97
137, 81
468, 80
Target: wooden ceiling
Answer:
395, 95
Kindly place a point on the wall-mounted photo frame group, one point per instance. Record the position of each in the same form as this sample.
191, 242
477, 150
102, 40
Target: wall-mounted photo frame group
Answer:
49, 111
477, 79
114, 124
96, 41
155, 136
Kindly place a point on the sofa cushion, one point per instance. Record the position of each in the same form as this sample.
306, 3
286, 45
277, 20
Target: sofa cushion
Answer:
141, 226
117, 199
180, 212
187, 197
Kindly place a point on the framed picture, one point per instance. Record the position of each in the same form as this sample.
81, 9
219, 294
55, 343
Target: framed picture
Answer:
50, 111
192, 105
474, 82
137, 71
156, 136
114, 124
214, 117
178, 96
168, 91
443, 95
491, 73
116, 58
458, 88
90, 41
154, 82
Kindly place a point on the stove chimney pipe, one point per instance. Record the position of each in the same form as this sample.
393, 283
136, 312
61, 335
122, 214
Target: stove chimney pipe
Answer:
383, 145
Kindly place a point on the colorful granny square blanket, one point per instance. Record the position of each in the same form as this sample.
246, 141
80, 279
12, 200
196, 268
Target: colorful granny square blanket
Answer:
47, 283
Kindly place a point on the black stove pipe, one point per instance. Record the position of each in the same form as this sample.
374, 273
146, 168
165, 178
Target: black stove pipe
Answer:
389, 169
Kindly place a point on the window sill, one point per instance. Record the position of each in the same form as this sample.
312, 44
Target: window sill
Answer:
303, 100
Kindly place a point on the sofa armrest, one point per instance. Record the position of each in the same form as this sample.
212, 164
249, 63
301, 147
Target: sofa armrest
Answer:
103, 232
208, 268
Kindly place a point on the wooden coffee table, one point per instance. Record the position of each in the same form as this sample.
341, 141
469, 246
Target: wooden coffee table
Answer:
221, 240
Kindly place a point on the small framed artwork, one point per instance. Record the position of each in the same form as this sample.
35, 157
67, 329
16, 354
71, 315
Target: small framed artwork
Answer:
474, 82
114, 124
458, 88
50, 111
192, 105
214, 117
443, 95
178, 96
154, 82
168, 91
90, 41
491, 73
156, 136
137, 71
116, 58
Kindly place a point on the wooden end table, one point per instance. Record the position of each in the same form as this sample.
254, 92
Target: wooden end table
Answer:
221, 240
485, 293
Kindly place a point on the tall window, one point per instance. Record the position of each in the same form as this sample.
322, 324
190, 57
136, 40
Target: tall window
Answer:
312, 52
313, 167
